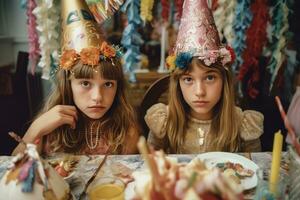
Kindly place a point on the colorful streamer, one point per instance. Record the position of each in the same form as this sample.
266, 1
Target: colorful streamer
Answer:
179, 4
33, 38
47, 15
242, 21
131, 39
146, 10
256, 39
165, 4
224, 17
279, 31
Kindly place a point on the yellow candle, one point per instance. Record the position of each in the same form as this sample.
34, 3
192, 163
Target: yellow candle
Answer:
276, 158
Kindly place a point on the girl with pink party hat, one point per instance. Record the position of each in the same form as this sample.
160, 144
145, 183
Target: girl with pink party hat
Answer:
87, 112
201, 114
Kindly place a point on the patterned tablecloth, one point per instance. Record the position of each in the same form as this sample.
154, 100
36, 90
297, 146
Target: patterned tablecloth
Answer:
88, 164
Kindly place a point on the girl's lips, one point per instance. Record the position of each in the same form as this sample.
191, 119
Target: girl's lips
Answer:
96, 108
200, 103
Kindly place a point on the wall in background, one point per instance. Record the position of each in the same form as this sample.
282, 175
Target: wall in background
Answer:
13, 31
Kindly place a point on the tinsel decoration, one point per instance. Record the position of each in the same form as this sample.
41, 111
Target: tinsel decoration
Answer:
27, 184
33, 38
103, 9
214, 5
131, 39
178, 4
242, 21
165, 4
279, 29
289, 73
224, 17
146, 10
256, 39
47, 15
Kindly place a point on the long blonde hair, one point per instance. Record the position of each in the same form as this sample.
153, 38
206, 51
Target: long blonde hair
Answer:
224, 126
115, 123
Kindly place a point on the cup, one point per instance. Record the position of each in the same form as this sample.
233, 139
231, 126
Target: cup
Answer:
106, 188
268, 191
294, 171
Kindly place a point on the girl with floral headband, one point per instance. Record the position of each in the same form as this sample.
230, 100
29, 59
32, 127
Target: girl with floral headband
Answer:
201, 114
87, 112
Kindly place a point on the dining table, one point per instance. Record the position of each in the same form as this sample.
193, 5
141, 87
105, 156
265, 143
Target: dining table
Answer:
114, 164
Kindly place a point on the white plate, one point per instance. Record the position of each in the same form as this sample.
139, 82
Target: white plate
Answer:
212, 158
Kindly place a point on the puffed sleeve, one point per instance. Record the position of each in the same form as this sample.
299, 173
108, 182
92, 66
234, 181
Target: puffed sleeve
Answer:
251, 129
156, 119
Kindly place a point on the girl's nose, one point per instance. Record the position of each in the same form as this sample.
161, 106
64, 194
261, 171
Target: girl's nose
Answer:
200, 89
96, 95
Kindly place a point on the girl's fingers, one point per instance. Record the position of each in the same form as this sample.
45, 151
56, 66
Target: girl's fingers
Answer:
71, 113
68, 119
68, 110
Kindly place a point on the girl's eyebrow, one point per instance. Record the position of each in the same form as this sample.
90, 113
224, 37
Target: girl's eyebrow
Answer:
211, 71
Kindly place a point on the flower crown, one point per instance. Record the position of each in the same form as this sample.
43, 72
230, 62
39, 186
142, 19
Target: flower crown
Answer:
89, 56
224, 54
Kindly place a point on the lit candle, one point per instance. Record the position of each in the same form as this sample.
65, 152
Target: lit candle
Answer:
276, 158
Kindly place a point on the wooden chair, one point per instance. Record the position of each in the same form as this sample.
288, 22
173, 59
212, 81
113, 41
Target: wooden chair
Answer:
152, 96
14, 108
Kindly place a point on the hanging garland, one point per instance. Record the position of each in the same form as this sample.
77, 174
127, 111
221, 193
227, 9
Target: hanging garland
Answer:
242, 21
165, 10
279, 30
47, 15
289, 73
256, 39
179, 4
224, 17
146, 10
131, 39
33, 38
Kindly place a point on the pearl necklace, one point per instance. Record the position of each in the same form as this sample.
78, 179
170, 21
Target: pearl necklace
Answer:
89, 141
201, 135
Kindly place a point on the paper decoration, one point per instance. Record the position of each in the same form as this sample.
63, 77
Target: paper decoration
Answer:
33, 38
131, 39
47, 15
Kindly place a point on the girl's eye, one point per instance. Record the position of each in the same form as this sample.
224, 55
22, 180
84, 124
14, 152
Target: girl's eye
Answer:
187, 80
210, 77
109, 84
85, 84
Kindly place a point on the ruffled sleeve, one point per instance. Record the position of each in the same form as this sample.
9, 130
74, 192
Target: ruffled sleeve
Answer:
251, 129
156, 119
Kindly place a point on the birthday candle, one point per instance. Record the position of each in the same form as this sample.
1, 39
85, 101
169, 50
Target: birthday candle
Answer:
276, 158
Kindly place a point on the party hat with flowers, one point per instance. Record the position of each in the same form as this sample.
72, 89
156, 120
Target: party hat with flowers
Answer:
198, 37
81, 38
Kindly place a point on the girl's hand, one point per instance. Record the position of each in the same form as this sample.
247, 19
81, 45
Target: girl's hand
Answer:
54, 118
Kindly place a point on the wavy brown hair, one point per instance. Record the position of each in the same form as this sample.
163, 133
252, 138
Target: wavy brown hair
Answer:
224, 126
115, 123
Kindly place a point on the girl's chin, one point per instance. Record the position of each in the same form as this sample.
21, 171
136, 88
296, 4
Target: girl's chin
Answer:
94, 115
202, 114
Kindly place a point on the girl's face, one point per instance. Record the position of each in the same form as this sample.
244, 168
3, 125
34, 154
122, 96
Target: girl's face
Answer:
93, 96
202, 89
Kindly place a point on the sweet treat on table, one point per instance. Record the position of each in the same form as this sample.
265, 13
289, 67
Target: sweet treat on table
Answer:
64, 166
235, 171
30, 177
171, 180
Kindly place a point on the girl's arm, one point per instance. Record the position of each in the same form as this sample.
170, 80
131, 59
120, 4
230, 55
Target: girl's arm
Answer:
47, 123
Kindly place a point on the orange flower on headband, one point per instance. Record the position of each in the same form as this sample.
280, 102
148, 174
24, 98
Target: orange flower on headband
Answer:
107, 50
90, 56
68, 59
